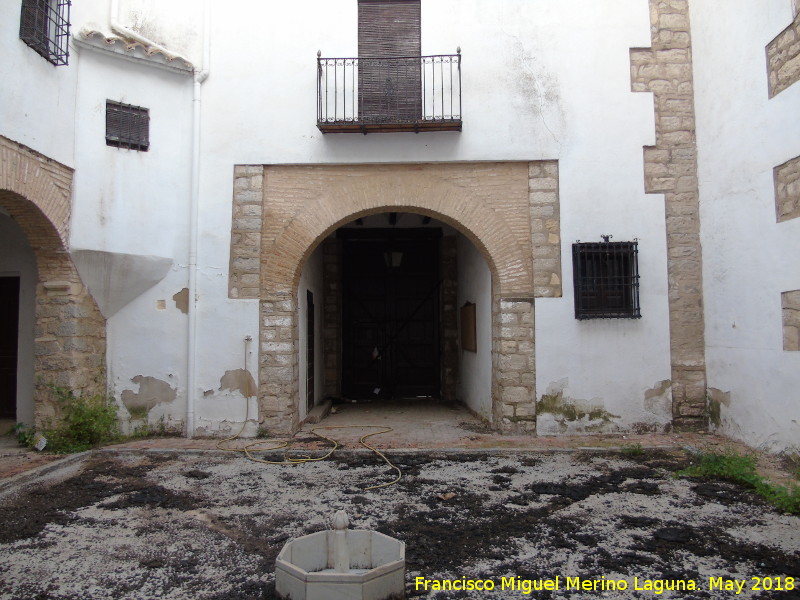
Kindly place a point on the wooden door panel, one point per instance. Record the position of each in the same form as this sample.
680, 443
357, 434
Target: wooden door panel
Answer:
390, 315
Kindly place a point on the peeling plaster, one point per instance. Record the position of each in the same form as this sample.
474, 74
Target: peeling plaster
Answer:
572, 415
182, 300
151, 392
658, 399
240, 381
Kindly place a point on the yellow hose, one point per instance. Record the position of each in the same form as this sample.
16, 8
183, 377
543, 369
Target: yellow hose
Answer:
295, 460
290, 460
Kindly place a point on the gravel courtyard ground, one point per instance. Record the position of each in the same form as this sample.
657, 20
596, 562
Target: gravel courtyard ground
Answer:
206, 525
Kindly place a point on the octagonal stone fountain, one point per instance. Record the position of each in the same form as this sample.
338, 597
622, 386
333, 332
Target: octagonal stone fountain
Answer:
341, 564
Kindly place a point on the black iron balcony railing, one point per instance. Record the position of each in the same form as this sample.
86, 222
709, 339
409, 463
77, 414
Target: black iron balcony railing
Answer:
409, 93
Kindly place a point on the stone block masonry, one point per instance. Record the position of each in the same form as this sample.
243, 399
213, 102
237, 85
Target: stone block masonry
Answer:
790, 302
278, 369
545, 228
670, 168
514, 365
244, 280
787, 190
783, 56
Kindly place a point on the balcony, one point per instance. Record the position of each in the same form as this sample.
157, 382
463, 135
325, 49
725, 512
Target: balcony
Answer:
409, 93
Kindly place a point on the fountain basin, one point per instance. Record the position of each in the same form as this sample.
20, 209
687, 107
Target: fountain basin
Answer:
304, 569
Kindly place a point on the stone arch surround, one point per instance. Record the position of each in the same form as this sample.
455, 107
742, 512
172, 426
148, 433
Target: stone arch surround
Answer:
487, 202
70, 337
453, 193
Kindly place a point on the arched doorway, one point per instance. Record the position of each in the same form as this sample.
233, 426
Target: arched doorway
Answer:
18, 278
68, 348
487, 204
388, 285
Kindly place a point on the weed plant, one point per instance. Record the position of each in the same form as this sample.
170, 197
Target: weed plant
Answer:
738, 468
86, 422
632, 450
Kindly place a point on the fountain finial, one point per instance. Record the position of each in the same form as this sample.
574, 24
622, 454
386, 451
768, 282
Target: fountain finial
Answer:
341, 549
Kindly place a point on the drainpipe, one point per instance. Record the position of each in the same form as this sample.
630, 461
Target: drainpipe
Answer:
199, 77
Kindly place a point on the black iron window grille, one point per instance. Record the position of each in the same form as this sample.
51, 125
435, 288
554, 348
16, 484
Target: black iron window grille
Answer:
44, 26
606, 278
406, 93
127, 126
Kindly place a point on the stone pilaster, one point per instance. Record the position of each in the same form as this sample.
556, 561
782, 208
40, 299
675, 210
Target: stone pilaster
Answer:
514, 365
278, 368
665, 69
545, 228
244, 275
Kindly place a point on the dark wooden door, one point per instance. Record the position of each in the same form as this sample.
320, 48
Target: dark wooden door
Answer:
9, 330
390, 314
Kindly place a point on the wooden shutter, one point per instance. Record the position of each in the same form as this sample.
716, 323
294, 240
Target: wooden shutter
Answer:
389, 28
34, 25
127, 126
389, 48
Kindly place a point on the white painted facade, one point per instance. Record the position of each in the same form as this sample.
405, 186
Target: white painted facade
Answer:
541, 81
749, 258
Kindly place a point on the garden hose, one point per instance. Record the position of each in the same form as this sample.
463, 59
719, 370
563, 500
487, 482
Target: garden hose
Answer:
294, 460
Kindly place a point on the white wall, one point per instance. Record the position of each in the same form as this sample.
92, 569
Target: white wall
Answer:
137, 202
475, 368
17, 260
748, 258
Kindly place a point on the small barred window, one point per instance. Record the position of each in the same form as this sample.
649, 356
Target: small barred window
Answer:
127, 126
606, 278
44, 26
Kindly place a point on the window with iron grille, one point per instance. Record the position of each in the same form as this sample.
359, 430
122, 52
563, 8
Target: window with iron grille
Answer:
606, 278
127, 126
44, 26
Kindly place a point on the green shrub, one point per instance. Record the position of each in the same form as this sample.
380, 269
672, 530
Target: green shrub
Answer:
741, 469
85, 423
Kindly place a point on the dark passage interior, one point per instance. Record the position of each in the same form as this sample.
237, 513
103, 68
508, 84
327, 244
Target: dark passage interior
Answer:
390, 313
9, 329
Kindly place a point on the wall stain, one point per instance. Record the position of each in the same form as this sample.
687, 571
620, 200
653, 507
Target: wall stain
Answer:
182, 300
238, 380
716, 399
151, 392
570, 410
